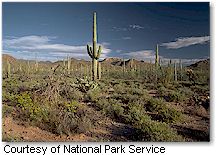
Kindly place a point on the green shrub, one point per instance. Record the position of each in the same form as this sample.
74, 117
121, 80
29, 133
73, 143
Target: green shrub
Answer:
93, 95
6, 110
186, 91
164, 113
71, 93
162, 91
110, 107
175, 96
70, 106
68, 118
150, 130
84, 125
9, 98
31, 110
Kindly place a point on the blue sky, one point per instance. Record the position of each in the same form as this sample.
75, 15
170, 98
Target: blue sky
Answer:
131, 30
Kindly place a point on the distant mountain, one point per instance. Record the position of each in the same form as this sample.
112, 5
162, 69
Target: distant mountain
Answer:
109, 62
203, 64
119, 62
7, 57
112, 61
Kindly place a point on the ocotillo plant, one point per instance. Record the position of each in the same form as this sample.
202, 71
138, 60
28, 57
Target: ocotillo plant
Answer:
94, 52
156, 57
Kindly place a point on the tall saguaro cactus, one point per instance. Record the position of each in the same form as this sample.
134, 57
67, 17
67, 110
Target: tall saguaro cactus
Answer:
180, 67
68, 64
8, 69
156, 57
124, 66
94, 52
175, 71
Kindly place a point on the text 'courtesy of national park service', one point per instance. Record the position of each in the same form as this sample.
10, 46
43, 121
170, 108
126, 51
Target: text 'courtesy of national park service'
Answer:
79, 149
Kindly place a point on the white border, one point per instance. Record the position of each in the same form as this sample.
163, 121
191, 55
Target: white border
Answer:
171, 148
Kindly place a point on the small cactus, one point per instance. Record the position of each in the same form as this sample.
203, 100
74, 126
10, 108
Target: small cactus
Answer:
85, 85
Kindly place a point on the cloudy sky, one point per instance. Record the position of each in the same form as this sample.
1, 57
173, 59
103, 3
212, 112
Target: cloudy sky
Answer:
51, 31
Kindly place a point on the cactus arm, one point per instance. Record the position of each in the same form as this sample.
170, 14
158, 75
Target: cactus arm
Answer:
89, 51
99, 52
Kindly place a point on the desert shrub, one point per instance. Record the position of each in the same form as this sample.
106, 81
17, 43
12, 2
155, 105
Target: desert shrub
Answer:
162, 91
70, 106
126, 98
10, 138
11, 85
9, 98
137, 91
169, 115
164, 113
93, 95
150, 86
32, 111
171, 95
154, 104
150, 130
186, 91
200, 89
67, 118
6, 110
120, 88
175, 96
71, 93
84, 124
110, 107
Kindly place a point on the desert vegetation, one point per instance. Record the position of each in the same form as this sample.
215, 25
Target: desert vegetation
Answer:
110, 100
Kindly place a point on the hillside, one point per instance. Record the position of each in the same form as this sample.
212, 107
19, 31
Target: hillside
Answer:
203, 64
7, 57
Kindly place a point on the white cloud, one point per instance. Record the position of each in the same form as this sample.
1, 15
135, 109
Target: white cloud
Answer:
128, 28
105, 43
126, 38
134, 26
145, 55
165, 61
43, 46
186, 41
119, 28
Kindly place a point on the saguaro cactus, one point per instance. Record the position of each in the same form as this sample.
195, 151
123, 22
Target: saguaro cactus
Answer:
36, 62
180, 67
68, 64
124, 66
99, 70
156, 57
175, 71
8, 69
94, 52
